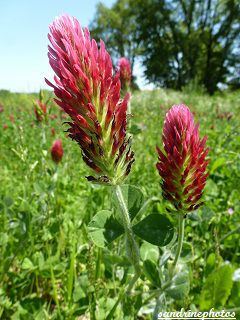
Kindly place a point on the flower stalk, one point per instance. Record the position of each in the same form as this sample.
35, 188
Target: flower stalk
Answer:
182, 165
181, 223
131, 246
89, 92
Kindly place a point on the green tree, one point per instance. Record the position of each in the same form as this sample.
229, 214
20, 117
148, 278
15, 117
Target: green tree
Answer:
186, 40
116, 26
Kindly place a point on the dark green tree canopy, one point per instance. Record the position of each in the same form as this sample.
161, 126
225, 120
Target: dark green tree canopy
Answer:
117, 27
178, 41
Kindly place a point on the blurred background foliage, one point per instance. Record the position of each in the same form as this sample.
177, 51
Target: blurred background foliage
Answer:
177, 41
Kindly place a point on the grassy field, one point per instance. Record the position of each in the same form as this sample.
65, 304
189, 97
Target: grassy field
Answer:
50, 268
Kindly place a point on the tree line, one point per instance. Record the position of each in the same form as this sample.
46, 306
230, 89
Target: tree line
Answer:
177, 41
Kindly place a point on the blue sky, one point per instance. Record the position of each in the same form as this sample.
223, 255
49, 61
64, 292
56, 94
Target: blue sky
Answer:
23, 38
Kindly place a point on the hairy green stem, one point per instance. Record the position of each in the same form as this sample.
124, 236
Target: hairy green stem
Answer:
129, 106
124, 210
131, 246
92, 303
181, 221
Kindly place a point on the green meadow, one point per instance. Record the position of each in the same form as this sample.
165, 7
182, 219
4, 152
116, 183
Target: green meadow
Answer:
49, 266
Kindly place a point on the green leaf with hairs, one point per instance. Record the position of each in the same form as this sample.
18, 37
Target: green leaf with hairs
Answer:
217, 287
180, 283
104, 228
155, 229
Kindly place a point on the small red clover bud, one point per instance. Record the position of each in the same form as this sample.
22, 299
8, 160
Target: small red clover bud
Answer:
125, 72
57, 151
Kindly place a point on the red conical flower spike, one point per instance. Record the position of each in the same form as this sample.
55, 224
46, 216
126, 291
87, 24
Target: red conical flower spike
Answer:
53, 130
125, 72
40, 109
88, 92
12, 118
183, 165
57, 151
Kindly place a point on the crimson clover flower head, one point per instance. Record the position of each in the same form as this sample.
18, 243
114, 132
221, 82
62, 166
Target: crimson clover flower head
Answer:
57, 151
40, 109
12, 118
182, 165
89, 93
125, 72
53, 131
